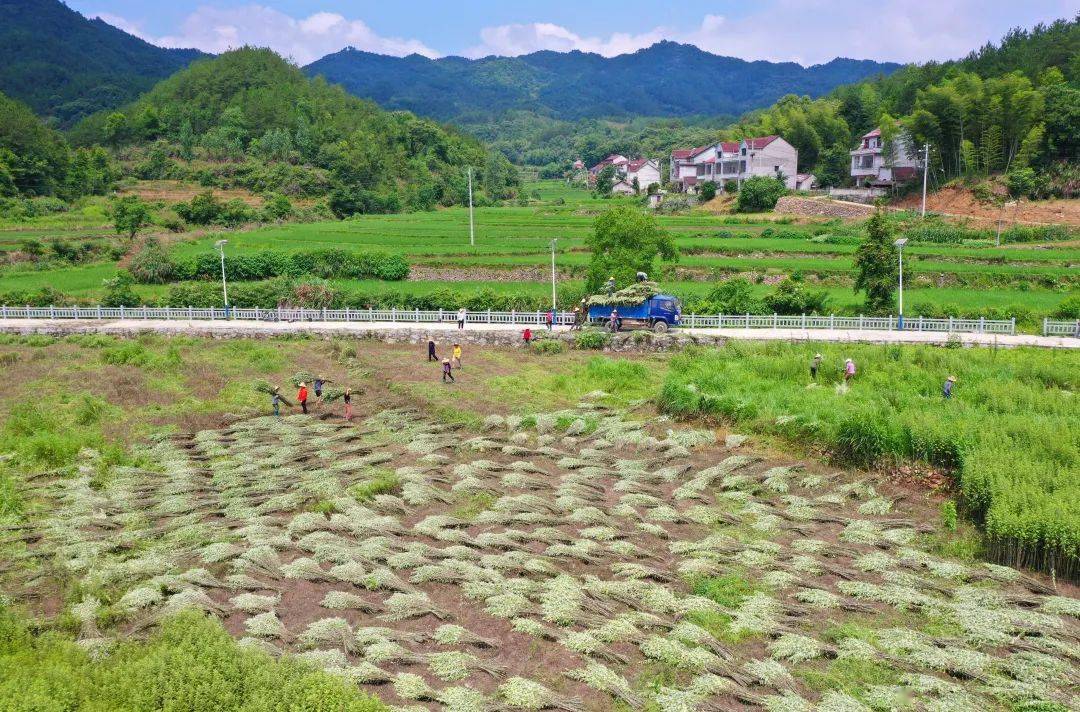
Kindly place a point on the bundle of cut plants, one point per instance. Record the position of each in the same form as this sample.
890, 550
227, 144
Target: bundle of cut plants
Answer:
264, 387
332, 394
305, 377
627, 296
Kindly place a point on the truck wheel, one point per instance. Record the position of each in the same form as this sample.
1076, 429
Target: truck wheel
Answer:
660, 327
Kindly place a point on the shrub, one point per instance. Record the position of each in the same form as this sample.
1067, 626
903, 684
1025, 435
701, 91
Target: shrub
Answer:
792, 296
549, 347
119, 291
591, 339
1069, 308
1021, 182
151, 264
949, 515
759, 194
708, 191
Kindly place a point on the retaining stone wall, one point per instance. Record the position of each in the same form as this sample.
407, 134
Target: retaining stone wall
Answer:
793, 205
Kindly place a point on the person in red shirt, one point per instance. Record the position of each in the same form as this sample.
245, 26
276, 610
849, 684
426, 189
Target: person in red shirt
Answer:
527, 336
301, 396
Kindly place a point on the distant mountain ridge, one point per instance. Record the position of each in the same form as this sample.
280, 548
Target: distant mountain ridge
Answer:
666, 79
66, 66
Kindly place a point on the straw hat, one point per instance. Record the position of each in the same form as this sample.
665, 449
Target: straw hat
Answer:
301, 384
818, 356
952, 378
847, 360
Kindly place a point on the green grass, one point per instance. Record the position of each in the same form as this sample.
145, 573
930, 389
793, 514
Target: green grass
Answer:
381, 481
1011, 433
190, 665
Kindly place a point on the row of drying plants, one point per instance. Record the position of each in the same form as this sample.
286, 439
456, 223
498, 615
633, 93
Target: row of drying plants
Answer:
675, 572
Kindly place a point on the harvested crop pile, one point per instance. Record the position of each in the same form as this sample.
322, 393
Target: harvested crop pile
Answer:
634, 294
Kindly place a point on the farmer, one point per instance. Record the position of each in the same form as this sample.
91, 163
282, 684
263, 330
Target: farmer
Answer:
613, 320
301, 395
526, 335
446, 372
849, 370
275, 398
348, 403
457, 355
431, 350
550, 319
461, 314
946, 390
610, 285
318, 384
577, 319
815, 364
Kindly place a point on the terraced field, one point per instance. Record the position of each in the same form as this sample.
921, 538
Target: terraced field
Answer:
576, 560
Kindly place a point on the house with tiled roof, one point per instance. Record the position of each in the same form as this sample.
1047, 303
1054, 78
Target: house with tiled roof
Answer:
645, 170
872, 163
728, 163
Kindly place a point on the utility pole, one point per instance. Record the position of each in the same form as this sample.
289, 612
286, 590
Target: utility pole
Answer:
900, 250
925, 170
1001, 217
472, 233
553, 301
220, 244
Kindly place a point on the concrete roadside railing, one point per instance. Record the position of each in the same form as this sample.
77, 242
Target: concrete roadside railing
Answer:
527, 318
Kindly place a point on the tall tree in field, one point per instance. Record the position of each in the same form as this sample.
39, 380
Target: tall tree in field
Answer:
605, 179
625, 241
877, 265
130, 214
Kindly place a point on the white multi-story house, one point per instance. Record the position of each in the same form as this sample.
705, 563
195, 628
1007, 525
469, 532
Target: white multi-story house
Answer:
646, 170
728, 163
870, 164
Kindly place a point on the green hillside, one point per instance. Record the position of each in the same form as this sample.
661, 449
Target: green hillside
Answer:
249, 119
65, 66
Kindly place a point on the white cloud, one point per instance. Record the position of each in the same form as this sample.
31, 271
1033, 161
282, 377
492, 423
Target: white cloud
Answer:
216, 30
805, 31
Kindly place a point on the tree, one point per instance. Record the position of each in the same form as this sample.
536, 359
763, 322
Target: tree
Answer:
876, 263
605, 180
734, 296
759, 194
625, 241
707, 191
116, 128
636, 185
187, 141
130, 214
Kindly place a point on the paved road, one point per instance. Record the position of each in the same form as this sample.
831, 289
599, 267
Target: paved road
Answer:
239, 328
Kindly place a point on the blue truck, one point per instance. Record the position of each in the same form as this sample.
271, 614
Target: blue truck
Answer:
658, 313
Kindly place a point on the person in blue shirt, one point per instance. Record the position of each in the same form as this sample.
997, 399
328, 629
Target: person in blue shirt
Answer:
275, 398
317, 385
946, 390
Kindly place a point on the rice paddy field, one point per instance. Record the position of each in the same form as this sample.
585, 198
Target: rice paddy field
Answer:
512, 256
535, 536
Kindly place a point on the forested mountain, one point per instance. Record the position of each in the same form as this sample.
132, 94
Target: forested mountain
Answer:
667, 79
250, 119
65, 66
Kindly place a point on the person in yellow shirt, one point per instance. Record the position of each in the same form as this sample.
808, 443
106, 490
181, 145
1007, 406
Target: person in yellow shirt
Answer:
457, 355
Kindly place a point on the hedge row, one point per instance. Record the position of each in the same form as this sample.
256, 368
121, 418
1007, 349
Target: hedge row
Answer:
154, 266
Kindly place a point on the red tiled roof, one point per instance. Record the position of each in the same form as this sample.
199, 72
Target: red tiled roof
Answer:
634, 166
729, 146
701, 149
760, 141
872, 134
683, 152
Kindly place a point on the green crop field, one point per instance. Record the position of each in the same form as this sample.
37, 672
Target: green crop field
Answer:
972, 278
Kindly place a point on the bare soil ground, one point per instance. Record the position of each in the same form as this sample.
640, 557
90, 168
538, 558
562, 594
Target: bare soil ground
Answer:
959, 202
174, 191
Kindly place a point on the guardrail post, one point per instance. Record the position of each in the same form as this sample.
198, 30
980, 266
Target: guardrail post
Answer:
121, 311
803, 321
832, 322
489, 316
774, 319
982, 324
719, 321
950, 324
1046, 324
513, 316
323, 315
393, 315
440, 315
416, 315
1012, 325
747, 317
860, 322
347, 317
52, 312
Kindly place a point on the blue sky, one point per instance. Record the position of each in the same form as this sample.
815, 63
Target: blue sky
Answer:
805, 31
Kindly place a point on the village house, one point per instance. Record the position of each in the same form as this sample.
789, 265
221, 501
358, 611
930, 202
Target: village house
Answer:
728, 163
871, 166
645, 170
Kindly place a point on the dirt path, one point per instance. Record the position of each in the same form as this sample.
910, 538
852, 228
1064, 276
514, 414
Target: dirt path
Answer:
959, 202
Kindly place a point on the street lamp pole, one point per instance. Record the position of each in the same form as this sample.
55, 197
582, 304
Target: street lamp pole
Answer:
220, 244
900, 250
553, 300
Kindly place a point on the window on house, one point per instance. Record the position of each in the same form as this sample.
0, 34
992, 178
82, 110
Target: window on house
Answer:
776, 169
